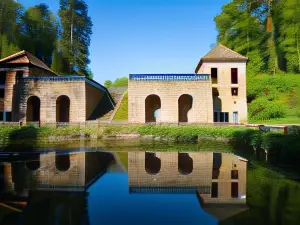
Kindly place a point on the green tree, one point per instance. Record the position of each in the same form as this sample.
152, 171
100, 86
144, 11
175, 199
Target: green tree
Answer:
40, 31
107, 83
75, 35
10, 14
121, 82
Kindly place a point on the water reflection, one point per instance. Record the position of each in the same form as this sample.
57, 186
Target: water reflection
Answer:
63, 187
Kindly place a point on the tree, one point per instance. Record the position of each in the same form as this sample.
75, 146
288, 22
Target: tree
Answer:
75, 35
107, 83
40, 30
121, 82
10, 14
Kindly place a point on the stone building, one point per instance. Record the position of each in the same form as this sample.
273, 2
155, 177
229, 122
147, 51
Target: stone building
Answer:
30, 91
215, 93
216, 177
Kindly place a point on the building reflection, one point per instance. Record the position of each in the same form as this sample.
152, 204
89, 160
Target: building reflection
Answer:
218, 179
51, 188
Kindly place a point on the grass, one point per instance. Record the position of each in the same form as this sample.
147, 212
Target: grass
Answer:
123, 156
122, 113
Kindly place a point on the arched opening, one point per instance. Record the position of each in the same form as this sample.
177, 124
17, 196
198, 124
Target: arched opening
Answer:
34, 162
152, 108
62, 161
33, 109
185, 163
185, 103
63, 109
152, 163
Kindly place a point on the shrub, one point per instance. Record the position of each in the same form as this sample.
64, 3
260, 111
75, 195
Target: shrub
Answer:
262, 109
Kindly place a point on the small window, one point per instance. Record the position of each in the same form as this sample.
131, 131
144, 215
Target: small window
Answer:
234, 189
234, 174
2, 91
226, 115
8, 116
214, 190
234, 75
222, 117
1, 116
234, 91
216, 116
214, 75
2, 78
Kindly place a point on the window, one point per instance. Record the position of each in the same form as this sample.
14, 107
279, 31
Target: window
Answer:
214, 190
234, 189
2, 78
2, 91
234, 75
234, 174
221, 117
214, 75
234, 91
1, 116
19, 75
8, 116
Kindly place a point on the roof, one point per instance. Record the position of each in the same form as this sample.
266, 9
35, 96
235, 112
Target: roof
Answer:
221, 53
32, 60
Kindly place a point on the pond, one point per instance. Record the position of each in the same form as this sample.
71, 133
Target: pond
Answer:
142, 184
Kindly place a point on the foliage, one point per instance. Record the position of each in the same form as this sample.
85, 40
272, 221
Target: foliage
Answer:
263, 109
75, 35
107, 83
122, 113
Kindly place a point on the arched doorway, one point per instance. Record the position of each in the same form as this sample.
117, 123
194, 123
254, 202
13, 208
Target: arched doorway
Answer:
63, 109
185, 163
185, 103
33, 109
62, 161
152, 108
152, 163
33, 163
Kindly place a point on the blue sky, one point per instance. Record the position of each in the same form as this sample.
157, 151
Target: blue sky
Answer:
147, 36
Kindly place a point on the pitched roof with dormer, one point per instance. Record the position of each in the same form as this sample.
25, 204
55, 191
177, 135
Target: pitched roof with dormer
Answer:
26, 57
220, 53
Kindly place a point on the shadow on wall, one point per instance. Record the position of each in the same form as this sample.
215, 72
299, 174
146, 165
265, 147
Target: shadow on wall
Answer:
104, 106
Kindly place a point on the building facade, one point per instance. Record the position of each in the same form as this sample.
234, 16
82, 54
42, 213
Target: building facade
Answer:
216, 92
31, 92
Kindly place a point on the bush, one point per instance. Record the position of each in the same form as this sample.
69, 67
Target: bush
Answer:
262, 109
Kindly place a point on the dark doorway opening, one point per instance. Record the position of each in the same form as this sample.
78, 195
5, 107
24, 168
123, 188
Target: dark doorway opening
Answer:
185, 103
152, 108
152, 163
62, 161
33, 109
185, 163
63, 109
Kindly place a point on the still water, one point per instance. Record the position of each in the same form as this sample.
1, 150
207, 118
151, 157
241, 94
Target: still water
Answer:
93, 186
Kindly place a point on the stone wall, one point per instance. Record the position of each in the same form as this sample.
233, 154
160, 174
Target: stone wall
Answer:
9, 90
48, 92
229, 103
169, 93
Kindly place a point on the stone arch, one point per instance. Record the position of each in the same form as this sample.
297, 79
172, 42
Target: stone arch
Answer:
185, 163
185, 104
63, 109
152, 163
34, 163
62, 161
152, 108
33, 109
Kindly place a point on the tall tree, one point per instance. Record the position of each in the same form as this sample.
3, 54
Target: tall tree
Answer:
290, 34
10, 14
76, 35
40, 30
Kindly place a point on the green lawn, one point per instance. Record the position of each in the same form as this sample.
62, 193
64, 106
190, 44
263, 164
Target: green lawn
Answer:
122, 113
282, 121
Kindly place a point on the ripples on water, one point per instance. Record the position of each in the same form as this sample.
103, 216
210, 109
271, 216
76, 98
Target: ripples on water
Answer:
84, 186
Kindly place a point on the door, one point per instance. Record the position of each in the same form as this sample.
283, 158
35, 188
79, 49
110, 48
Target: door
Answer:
235, 118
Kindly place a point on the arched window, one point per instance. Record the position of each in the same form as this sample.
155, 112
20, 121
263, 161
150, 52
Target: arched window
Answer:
62, 161
63, 109
33, 109
185, 163
33, 163
152, 108
152, 163
185, 103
